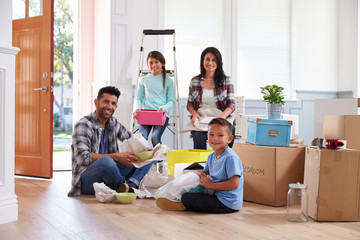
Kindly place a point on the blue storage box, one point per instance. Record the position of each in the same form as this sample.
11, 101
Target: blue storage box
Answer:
269, 132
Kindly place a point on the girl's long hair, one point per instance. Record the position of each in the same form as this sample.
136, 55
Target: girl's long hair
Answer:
158, 56
219, 72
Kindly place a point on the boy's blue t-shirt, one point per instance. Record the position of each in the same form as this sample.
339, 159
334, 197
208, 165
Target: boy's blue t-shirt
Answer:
222, 169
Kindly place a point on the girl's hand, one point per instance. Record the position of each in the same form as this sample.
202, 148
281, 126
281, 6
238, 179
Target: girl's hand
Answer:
205, 181
160, 110
135, 115
194, 117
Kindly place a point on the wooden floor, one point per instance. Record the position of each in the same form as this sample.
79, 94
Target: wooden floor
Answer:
45, 212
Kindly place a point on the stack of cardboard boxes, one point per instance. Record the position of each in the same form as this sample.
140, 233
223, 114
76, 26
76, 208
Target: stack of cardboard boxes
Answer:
270, 164
332, 176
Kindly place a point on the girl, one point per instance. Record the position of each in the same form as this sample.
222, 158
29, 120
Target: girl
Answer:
156, 91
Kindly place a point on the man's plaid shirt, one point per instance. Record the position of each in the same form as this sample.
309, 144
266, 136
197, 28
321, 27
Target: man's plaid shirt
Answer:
86, 140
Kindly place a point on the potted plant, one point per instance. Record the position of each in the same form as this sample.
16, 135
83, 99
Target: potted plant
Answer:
274, 97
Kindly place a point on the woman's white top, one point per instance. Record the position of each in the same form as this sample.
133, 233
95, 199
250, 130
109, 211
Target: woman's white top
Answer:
208, 97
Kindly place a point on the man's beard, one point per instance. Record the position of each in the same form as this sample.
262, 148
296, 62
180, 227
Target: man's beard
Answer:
103, 115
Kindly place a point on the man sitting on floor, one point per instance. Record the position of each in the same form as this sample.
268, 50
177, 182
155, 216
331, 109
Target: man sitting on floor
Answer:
95, 152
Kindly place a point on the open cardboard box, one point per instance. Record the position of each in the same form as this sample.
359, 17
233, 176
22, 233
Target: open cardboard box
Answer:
268, 171
333, 178
194, 167
344, 127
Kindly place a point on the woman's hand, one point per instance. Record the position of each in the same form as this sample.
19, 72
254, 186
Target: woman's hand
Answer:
160, 110
225, 113
195, 116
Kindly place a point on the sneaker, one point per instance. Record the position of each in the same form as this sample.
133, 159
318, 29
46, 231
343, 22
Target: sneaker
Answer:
123, 188
169, 205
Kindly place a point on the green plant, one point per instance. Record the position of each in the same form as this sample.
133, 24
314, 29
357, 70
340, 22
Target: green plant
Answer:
56, 120
273, 94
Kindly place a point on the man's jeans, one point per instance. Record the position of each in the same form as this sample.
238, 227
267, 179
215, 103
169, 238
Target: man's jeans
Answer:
106, 170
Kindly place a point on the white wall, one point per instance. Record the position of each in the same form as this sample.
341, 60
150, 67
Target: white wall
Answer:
8, 199
101, 44
347, 45
314, 45
150, 18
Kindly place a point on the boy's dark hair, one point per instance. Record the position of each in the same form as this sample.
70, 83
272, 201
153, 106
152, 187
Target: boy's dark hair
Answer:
110, 90
222, 122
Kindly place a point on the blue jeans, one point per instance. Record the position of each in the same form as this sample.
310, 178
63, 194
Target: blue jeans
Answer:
106, 170
202, 202
156, 134
200, 139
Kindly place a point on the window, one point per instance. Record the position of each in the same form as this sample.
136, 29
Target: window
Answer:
262, 31
198, 24
263, 46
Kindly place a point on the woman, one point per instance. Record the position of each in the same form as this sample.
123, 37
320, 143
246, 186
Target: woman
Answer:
156, 91
211, 87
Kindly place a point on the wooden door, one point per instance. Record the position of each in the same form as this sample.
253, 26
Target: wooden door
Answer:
33, 90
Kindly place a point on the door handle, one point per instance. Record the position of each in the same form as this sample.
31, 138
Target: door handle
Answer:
44, 89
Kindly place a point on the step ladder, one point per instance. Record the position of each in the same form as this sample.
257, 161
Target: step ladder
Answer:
176, 123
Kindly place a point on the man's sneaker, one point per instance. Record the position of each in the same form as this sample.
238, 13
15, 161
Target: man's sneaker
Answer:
170, 205
123, 188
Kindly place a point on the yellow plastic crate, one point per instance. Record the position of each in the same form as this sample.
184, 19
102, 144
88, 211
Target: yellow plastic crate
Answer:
185, 156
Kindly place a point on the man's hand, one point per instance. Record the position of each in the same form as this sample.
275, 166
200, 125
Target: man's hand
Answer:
126, 158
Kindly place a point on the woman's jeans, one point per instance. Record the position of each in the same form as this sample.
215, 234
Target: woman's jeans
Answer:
202, 202
106, 170
156, 134
200, 139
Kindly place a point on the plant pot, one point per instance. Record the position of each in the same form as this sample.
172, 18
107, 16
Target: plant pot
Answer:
274, 110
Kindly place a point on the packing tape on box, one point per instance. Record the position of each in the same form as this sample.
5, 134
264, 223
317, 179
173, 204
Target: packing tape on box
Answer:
179, 168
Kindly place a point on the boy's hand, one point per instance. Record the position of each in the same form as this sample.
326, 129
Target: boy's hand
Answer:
205, 181
201, 173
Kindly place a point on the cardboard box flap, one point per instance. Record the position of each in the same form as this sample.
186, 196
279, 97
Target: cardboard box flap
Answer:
196, 166
344, 127
334, 127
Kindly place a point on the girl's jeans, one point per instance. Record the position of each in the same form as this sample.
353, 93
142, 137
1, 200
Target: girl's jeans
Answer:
156, 134
106, 170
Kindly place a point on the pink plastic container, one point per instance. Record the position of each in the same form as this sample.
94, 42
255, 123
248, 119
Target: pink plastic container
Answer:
151, 117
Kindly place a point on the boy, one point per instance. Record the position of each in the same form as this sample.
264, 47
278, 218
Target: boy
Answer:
223, 173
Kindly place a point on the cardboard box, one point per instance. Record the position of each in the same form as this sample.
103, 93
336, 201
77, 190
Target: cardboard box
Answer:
335, 106
151, 117
185, 156
268, 171
194, 167
333, 178
344, 127
269, 132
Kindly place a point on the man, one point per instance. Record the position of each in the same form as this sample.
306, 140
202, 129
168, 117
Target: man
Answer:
95, 152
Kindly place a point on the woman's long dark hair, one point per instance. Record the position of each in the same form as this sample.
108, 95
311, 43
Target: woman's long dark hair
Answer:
158, 56
219, 72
